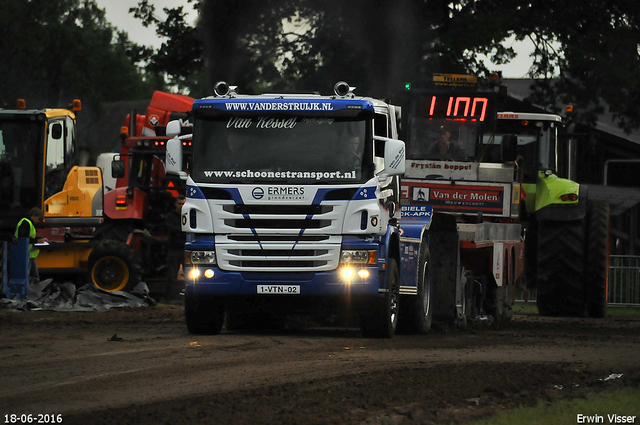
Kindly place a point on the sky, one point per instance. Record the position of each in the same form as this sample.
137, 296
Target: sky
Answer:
117, 13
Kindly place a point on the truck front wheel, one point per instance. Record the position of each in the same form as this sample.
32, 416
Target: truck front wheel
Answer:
379, 319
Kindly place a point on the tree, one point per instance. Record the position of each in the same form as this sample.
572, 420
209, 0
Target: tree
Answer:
242, 40
179, 59
55, 50
585, 53
598, 59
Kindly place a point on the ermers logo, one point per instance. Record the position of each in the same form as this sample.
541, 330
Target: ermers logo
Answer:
257, 193
283, 193
285, 190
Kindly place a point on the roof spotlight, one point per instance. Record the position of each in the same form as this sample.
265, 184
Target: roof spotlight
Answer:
342, 89
221, 88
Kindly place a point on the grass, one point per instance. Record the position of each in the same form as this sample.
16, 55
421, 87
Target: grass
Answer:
622, 401
531, 308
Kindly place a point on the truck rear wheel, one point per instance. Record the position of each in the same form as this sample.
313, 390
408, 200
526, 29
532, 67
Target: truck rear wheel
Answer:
560, 267
204, 317
417, 315
380, 318
597, 270
114, 266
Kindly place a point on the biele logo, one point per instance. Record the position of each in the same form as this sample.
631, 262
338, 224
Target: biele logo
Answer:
257, 193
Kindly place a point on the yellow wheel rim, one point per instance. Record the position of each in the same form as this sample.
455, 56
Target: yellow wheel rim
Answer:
110, 274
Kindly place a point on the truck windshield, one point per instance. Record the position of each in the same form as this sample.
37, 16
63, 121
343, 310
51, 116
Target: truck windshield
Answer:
20, 173
299, 150
439, 139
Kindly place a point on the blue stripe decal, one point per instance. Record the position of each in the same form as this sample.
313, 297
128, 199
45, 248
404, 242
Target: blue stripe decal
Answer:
320, 194
235, 195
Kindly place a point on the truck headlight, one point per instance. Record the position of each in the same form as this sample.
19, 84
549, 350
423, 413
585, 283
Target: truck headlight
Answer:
358, 256
203, 257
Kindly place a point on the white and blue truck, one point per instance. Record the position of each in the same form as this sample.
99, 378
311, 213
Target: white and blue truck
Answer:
294, 202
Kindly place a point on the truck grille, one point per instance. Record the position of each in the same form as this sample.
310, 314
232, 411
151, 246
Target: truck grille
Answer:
274, 254
250, 223
270, 237
278, 209
292, 220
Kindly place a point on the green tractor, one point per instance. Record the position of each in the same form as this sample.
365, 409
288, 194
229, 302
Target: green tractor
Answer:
567, 234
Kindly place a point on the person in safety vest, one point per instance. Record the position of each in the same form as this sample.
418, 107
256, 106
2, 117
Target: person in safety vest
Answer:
26, 228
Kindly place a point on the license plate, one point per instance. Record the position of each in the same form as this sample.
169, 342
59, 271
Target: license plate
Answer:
279, 289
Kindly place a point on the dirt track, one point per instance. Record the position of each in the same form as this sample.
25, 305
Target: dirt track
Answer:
142, 367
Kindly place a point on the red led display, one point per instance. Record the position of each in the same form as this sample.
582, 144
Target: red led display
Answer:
463, 107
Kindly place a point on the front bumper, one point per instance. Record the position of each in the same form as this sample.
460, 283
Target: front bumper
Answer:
331, 283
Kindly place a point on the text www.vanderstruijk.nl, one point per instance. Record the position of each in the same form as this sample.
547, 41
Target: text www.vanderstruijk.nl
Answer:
279, 106
317, 175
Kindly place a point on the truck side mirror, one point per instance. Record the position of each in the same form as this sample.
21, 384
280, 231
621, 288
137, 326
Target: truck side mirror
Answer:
173, 128
117, 169
173, 158
394, 156
509, 147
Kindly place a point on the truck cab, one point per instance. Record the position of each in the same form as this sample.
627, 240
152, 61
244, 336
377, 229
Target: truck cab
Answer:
292, 199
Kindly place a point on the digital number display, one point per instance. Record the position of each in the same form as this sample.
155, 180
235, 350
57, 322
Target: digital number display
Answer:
453, 106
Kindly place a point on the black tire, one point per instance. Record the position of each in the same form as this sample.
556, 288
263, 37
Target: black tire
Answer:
204, 317
597, 270
118, 230
380, 318
417, 313
560, 268
114, 266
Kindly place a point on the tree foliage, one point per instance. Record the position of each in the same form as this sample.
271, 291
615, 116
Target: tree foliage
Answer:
585, 52
180, 57
55, 50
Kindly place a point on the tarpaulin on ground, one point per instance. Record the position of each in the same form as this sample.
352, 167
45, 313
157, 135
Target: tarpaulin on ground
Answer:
49, 295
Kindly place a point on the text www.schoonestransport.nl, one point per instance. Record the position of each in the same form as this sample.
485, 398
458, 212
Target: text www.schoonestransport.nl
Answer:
317, 175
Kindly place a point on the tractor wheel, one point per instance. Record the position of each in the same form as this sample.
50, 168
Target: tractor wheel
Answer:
380, 318
204, 317
560, 267
597, 270
114, 266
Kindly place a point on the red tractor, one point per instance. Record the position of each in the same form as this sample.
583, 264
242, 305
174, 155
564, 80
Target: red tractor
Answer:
131, 245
